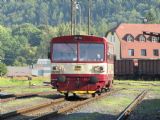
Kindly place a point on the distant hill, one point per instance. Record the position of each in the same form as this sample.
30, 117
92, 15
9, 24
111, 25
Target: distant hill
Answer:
26, 26
53, 12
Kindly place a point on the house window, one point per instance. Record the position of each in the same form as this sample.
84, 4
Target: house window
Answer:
142, 38
143, 52
154, 39
112, 38
156, 52
130, 38
131, 52
158, 39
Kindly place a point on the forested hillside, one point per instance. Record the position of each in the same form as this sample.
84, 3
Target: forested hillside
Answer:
26, 26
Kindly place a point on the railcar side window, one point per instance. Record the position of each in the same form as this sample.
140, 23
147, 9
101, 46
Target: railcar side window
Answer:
64, 52
91, 52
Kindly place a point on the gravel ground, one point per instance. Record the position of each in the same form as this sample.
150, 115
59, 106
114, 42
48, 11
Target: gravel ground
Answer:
40, 112
24, 103
107, 108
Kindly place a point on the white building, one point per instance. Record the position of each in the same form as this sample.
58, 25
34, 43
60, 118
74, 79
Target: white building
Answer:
42, 68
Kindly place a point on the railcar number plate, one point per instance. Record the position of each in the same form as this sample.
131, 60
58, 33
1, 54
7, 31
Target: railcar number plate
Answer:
77, 68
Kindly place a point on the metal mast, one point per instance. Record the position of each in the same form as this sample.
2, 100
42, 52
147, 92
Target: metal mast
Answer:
73, 17
89, 15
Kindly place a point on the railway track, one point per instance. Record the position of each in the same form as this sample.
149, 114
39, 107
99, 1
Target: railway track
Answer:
36, 86
26, 95
11, 115
141, 84
54, 108
124, 115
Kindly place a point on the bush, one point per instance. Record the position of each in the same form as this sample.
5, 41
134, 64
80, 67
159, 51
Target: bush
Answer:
3, 69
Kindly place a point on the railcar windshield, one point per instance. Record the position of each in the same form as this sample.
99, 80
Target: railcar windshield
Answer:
88, 52
64, 52
91, 52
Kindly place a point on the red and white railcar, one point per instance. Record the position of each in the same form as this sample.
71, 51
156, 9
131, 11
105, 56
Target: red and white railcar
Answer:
81, 64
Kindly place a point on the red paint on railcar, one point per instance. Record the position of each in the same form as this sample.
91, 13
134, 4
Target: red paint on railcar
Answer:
79, 81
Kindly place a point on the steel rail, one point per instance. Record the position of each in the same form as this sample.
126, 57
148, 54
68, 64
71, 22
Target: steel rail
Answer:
123, 115
26, 95
72, 107
56, 112
34, 94
38, 86
30, 109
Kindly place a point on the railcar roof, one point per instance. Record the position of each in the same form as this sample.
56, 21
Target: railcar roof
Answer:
71, 37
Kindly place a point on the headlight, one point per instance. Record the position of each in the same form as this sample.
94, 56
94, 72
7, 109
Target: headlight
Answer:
57, 69
98, 69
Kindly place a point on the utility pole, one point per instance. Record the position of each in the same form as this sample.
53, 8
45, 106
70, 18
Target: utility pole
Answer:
78, 7
73, 17
89, 15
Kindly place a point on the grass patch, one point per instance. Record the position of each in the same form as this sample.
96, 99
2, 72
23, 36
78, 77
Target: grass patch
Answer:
130, 84
155, 90
8, 82
19, 86
27, 90
137, 82
121, 101
21, 103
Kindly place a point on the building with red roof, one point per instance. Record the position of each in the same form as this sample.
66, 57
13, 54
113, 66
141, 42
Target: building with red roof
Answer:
131, 41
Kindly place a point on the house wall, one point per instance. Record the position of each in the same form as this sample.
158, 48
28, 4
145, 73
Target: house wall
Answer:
135, 30
113, 38
137, 46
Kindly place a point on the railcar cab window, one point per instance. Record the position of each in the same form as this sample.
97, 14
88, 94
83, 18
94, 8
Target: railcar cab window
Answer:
91, 52
64, 52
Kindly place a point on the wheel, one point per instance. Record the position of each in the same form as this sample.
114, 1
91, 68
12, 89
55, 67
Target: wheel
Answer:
109, 89
93, 94
66, 95
109, 84
74, 94
103, 90
99, 93
112, 81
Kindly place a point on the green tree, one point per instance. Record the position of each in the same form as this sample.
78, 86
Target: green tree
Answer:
47, 32
150, 16
63, 29
31, 32
5, 42
3, 69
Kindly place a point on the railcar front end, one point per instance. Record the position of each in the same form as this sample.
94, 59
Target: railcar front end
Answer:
80, 64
